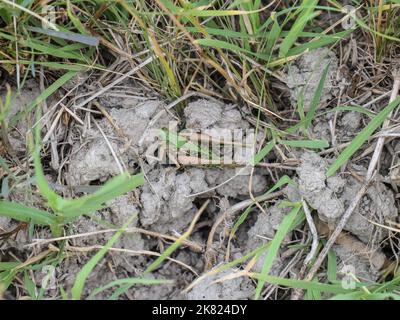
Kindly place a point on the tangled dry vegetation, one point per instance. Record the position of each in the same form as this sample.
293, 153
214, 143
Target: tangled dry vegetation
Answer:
87, 210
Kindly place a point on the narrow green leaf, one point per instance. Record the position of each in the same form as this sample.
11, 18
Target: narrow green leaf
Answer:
129, 282
312, 108
362, 295
229, 46
215, 13
301, 284
55, 65
309, 144
45, 190
332, 266
281, 233
306, 15
5, 266
44, 95
363, 136
180, 143
262, 153
6, 278
312, 294
26, 214
273, 36
240, 221
91, 264
281, 182
29, 285
324, 40
5, 106
117, 186
358, 109
52, 50
77, 23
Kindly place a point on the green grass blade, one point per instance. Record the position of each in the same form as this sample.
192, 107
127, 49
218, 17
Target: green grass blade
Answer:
165, 254
215, 13
6, 278
180, 143
52, 198
282, 231
44, 95
55, 65
240, 220
213, 43
306, 15
301, 284
51, 50
322, 42
312, 108
91, 264
26, 214
281, 182
175, 245
363, 136
332, 266
312, 294
358, 109
6, 266
222, 32
262, 153
77, 23
273, 36
309, 144
362, 295
117, 186
5, 106
128, 281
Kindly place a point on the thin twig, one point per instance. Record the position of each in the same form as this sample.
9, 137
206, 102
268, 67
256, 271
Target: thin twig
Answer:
45, 21
121, 169
381, 140
55, 159
127, 251
209, 253
195, 246
313, 231
298, 293
343, 221
115, 82
18, 67
239, 172
243, 205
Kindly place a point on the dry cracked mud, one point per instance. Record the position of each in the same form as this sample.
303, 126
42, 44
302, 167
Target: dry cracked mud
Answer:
172, 195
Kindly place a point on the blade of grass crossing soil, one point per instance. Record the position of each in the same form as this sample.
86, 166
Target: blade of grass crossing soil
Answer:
363, 136
307, 8
128, 282
80, 280
178, 242
283, 230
